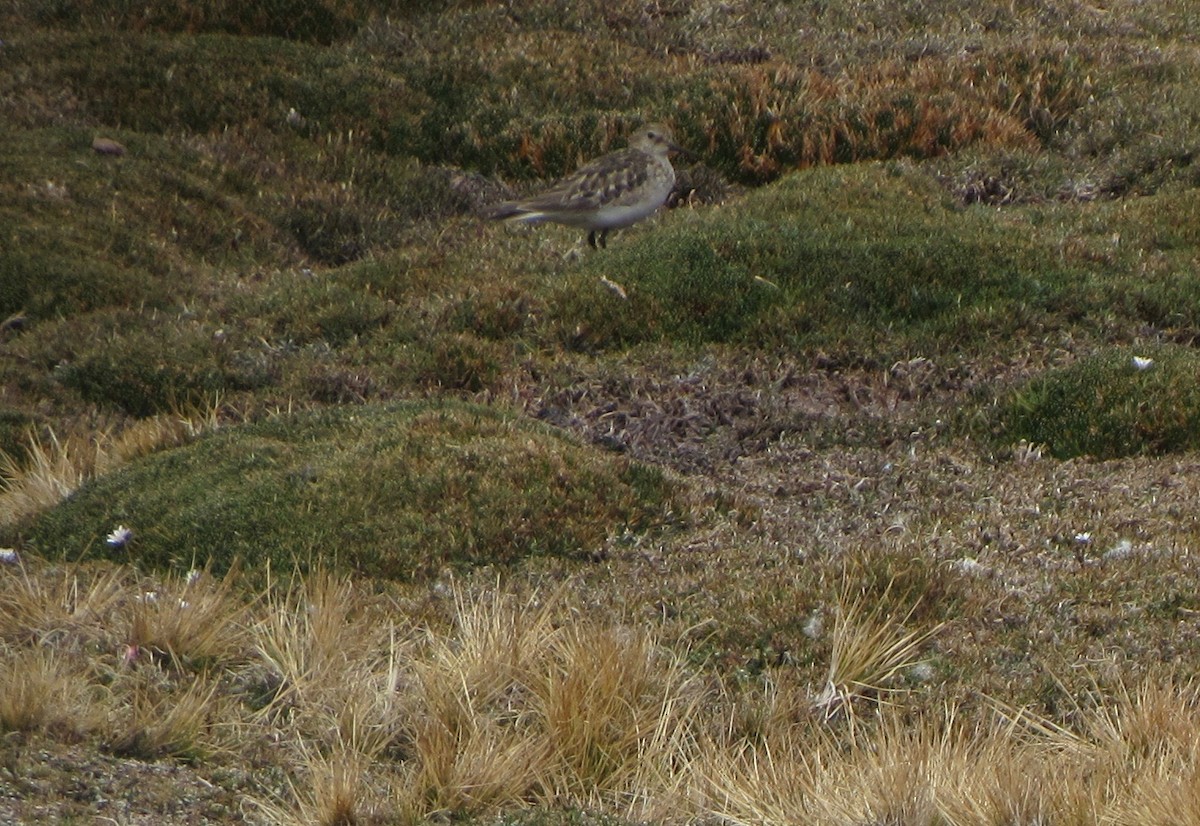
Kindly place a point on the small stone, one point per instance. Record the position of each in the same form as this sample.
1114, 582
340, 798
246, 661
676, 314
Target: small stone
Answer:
1122, 550
107, 146
970, 566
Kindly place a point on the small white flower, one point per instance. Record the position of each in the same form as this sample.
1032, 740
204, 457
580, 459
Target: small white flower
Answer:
814, 626
1083, 537
922, 672
9, 556
149, 597
193, 576
120, 537
1141, 363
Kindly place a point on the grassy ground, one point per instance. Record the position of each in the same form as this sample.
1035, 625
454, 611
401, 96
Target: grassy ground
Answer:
857, 488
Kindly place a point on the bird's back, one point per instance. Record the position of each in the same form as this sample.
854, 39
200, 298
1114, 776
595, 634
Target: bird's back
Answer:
613, 191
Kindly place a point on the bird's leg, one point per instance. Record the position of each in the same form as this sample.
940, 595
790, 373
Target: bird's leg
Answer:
592, 239
603, 239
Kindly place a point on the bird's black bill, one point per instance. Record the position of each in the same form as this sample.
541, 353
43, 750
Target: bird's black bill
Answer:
687, 155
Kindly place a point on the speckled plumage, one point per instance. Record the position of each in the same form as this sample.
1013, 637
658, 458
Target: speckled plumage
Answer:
614, 191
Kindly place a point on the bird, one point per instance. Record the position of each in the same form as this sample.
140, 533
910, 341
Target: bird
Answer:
611, 192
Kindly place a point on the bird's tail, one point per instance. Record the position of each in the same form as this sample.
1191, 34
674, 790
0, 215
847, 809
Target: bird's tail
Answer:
512, 211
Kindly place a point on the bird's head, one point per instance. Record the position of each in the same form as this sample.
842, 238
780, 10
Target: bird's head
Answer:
656, 139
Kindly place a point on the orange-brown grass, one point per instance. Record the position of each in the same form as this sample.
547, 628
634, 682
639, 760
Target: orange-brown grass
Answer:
920, 109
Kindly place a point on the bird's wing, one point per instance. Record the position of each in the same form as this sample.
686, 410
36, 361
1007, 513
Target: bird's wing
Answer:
603, 181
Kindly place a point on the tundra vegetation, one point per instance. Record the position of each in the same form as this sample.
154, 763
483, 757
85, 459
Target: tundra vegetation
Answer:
858, 487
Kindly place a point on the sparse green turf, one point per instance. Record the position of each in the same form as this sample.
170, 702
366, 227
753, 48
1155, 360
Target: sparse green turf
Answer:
1121, 402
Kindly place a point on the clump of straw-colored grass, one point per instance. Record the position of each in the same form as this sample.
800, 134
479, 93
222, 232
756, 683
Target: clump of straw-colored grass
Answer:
54, 467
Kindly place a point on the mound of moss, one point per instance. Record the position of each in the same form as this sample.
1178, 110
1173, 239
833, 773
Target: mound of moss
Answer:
399, 492
870, 259
1119, 402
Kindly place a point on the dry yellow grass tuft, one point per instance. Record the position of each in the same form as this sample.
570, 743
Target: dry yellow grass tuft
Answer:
619, 713
936, 769
40, 690
870, 649
470, 728
517, 702
62, 603
154, 715
313, 635
478, 700
191, 620
54, 467
332, 793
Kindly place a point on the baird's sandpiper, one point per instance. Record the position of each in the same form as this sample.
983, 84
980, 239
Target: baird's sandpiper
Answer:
614, 191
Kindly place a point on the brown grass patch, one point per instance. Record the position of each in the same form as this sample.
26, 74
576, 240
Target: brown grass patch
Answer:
498, 698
